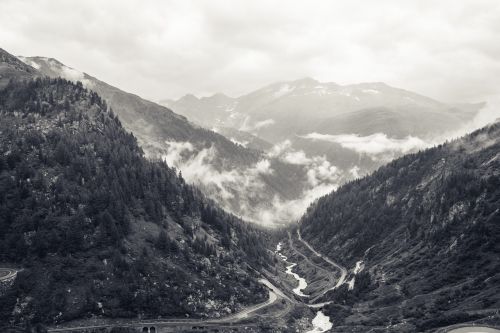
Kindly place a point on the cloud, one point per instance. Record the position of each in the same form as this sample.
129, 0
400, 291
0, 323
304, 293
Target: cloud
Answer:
375, 144
291, 210
163, 49
243, 191
296, 157
175, 150
198, 167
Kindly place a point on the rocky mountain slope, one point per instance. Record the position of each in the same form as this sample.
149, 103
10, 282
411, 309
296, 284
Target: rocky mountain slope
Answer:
243, 180
12, 67
97, 229
424, 231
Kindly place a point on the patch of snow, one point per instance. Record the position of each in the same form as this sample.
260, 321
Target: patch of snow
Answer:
321, 323
241, 143
359, 267
29, 62
350, 283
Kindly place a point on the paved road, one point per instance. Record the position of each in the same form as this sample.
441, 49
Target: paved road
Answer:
332, 276
274, 295
343, 270
7, 274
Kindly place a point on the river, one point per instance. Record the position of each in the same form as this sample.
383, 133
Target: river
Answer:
321, 322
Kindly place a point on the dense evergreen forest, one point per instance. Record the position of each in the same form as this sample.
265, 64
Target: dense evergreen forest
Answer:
97, 229
427, 227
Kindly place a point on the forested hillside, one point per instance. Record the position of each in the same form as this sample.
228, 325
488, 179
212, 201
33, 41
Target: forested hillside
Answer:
427, 230
97, 229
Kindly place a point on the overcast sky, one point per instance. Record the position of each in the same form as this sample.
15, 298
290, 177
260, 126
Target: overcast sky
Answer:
449, 50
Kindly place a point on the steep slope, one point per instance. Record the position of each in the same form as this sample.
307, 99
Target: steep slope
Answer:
211, 111
12, 68
151, 123
245, 181
98, 230
244, 139
426, 230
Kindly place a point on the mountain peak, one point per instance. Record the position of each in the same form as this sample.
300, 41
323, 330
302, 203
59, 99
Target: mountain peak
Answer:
189, 98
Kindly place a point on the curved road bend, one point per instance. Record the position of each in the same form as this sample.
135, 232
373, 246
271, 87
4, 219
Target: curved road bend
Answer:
7, 274
343, 270
332, 277
274, 294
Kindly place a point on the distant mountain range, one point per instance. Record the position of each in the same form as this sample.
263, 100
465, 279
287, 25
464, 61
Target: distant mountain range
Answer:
282, 110
355, 128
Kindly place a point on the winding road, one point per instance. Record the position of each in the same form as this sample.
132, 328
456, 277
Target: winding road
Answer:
343, 270
7, 274
274, 295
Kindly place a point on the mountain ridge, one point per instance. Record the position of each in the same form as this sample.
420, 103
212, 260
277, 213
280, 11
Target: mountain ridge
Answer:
425, 230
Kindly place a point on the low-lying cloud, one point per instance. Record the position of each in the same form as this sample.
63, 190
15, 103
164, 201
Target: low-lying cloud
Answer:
244, 191
375, 144
199, 167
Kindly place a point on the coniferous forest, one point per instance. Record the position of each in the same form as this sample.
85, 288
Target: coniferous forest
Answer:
100, 230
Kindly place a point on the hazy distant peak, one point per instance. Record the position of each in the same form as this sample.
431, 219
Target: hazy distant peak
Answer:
188, 98
217, 97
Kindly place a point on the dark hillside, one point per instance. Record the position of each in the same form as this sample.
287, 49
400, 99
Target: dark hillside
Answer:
427, 227
101, 231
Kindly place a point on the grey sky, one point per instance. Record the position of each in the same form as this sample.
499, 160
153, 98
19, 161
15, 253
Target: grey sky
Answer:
449, 50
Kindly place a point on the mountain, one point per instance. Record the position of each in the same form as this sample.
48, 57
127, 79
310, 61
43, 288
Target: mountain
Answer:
282, 110
424, 231
97, 230
244, 139
244, 180
13, 68
353, 129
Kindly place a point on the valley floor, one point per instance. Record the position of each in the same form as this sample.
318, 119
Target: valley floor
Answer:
290, 307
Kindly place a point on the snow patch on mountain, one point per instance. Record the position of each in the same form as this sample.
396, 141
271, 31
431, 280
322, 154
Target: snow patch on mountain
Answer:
29, 62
